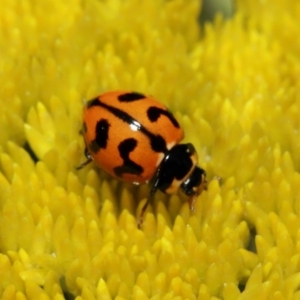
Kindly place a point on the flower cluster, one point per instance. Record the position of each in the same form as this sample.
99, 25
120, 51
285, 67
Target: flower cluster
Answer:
234, 87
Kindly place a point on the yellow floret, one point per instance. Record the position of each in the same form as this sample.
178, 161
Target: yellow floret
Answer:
234, 87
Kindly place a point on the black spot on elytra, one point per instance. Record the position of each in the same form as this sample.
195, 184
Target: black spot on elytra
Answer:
154, 113
129, 97
129, 166
157, 142
101, 132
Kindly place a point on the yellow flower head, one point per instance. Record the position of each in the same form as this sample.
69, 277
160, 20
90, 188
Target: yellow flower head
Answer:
234, 87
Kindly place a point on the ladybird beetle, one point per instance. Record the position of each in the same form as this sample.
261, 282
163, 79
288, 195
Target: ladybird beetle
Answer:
135, 138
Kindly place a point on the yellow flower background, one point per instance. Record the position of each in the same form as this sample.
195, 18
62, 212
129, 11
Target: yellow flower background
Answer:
234, 87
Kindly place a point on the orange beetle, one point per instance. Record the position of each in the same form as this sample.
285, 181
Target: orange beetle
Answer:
135, 138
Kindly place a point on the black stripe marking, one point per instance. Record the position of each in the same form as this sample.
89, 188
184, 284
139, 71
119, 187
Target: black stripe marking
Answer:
157, 142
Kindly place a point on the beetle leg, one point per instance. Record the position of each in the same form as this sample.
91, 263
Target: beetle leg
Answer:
153, 190
88, 160
202, 187
141, 217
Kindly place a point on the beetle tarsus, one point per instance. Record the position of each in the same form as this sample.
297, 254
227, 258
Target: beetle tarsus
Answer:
141, 217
